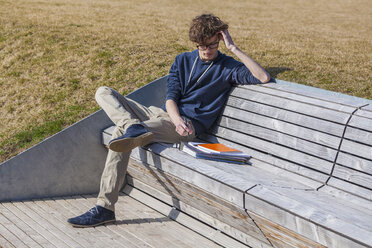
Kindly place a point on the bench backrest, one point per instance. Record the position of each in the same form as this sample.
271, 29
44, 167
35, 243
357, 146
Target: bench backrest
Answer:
353, 168
298, 131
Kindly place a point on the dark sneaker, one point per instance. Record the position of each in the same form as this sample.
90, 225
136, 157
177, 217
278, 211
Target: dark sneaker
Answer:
136, 135
95, 216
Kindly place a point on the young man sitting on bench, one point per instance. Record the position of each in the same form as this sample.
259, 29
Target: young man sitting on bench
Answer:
198, 86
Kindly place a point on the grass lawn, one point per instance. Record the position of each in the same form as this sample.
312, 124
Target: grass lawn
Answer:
54, 54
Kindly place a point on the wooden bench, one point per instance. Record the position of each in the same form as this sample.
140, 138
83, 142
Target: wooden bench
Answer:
309, 184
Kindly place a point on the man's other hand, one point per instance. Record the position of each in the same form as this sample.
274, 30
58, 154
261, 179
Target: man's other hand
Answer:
182, 128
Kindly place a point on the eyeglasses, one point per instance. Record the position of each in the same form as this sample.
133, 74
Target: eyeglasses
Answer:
211, 46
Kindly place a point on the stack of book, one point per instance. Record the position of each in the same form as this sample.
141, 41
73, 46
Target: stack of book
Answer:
215, 151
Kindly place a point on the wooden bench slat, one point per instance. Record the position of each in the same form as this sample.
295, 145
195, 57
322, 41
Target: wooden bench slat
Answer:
359, 135
278, 138
203, 214
283, 127
324, 103
282, 235
312, 178
358, 149
182, 191
276, 150
208, 178
313, 92
351, 188
346, 196
361, 122
354, 162
365, 112
315, 207
287, 116
299, 107
353, 176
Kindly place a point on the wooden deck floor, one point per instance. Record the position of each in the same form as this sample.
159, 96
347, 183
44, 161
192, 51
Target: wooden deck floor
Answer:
43, 223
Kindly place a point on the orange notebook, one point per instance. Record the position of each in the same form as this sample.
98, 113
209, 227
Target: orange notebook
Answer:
218, 147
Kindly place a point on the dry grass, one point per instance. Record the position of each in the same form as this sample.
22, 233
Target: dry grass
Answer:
55, 53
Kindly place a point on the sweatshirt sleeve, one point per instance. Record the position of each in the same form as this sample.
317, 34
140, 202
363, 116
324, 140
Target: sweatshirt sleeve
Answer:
242, 75
173, 84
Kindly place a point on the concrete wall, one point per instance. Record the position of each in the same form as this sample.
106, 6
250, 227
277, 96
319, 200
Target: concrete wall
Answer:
69, 162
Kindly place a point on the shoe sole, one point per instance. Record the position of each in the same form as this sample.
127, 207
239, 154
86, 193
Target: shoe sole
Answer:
128, 144
98, 224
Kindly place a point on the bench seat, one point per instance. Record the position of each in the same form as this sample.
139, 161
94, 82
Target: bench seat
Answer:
310, 179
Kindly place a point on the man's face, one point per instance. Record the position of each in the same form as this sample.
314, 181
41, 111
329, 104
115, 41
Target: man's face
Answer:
209, 50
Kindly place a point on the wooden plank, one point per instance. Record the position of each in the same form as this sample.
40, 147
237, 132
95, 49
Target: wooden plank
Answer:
365, 112
307, 99
5, 243
314, 92
24, 227
243, 172
358, 149
368, 107
295, 106
197, 198
351, 188
345, 196
305, 227
353, 176
196, 171
277, 150
186, 220
12, 239
38, 217
280, 233
100, 239
361, 122
90, 233
265, 161
283, 127
61, 214
176, 234
54, 218
359, 135
181, 234
278, 138
354, 162
196, 213
18, 233
287, 116
82, 205
36, 225
340, 217
148, 224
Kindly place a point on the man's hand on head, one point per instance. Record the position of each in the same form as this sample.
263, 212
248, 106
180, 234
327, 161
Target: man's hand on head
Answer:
227, 39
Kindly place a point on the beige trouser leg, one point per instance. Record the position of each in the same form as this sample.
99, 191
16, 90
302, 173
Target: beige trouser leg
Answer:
125, 112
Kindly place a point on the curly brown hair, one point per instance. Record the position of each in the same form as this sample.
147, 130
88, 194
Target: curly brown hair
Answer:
204, 27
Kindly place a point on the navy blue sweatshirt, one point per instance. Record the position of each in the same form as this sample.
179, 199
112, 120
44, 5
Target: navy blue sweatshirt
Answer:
202, 101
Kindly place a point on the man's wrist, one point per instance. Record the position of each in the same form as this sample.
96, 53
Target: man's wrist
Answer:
233, 49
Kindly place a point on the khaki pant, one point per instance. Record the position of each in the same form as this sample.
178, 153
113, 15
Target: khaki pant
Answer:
125, 112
